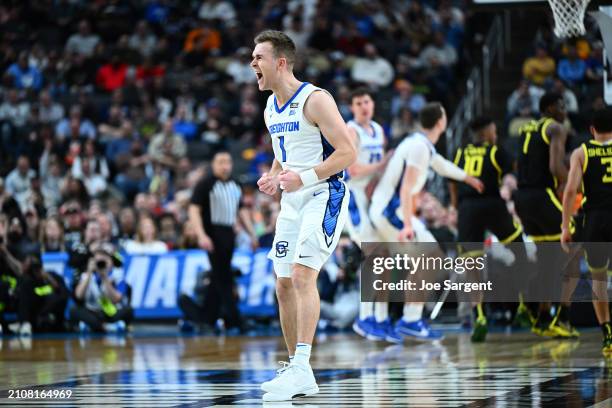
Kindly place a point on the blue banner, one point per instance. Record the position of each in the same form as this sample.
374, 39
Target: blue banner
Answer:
158, 280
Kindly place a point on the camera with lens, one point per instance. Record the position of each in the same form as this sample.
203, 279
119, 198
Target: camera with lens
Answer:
352, 257
101, 264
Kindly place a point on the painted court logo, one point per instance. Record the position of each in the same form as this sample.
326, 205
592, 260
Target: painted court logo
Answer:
281, 249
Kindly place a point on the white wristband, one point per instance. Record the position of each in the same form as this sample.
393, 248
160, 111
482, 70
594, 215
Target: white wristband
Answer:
309, 177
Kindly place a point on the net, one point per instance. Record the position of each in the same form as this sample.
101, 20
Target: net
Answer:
569, 17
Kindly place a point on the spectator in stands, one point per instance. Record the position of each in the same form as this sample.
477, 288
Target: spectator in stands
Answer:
97, 163
372, 69
202, 39
84, 42
405, 98
52, 237
539, 68
404, 123
127, 223
14, 113
146, 241
18, 181
75, 127
524, 100
50, 169
168, 231
73, 218
49, 111
595, 67
94, 181
439, 53
24, 75
134, 170
112, 75
572, 69
189, 237
217, 10
143, 40
239, 67
99, 300
106, 227
168, 147
569, 97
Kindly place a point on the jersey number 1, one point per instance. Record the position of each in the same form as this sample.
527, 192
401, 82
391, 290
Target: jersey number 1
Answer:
281, 140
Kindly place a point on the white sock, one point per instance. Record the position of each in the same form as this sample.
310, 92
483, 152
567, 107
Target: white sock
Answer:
381, 311
366, 309
290, 359
413, 312
302, 355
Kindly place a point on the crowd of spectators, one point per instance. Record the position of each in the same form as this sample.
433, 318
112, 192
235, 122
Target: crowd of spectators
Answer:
571, 67
110, 109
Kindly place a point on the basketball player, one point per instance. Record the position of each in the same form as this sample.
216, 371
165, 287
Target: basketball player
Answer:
392, 207
591, 166
478, 213
541, 170
369, 140
312, 148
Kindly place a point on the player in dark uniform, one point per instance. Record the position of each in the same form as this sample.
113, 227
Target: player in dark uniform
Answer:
591, 167
541, 173
478, 213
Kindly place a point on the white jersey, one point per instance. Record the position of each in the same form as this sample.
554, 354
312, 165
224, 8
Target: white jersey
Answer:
371, 150
415, 150
298, 144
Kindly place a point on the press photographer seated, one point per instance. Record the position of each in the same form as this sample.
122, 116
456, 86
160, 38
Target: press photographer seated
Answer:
100, 303
41, 298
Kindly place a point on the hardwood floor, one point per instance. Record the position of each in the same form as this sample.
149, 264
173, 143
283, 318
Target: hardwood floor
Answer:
509, 370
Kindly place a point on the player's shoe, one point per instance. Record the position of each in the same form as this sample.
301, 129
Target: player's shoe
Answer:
479, 334
372, 330
552, 329
294, 382
391, 333
523, 317
607, 341
567, 327
266, 385
418, 330
363, 326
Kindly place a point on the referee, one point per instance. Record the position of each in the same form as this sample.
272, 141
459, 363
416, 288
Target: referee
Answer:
214, 211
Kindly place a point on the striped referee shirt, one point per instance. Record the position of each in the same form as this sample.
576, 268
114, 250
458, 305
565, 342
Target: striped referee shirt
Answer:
219, 201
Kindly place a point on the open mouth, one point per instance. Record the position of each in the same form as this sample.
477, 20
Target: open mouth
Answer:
259, 75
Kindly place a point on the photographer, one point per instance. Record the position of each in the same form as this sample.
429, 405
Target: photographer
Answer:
99, 300
41, 298
10, 271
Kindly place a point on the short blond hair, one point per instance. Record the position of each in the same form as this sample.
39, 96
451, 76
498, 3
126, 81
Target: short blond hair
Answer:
282, 45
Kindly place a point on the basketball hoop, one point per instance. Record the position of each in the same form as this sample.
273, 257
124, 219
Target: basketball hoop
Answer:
569, 17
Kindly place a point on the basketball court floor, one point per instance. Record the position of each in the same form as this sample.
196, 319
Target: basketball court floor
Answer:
509, 370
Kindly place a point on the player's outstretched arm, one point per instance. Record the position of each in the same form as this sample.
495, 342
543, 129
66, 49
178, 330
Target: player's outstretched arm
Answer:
321, 110
448, 169
574, 178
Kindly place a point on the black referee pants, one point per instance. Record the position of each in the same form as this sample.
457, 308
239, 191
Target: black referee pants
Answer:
221, 301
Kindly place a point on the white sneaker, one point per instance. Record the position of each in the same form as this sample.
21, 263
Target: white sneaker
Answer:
268, 385
25, 329
296, 381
